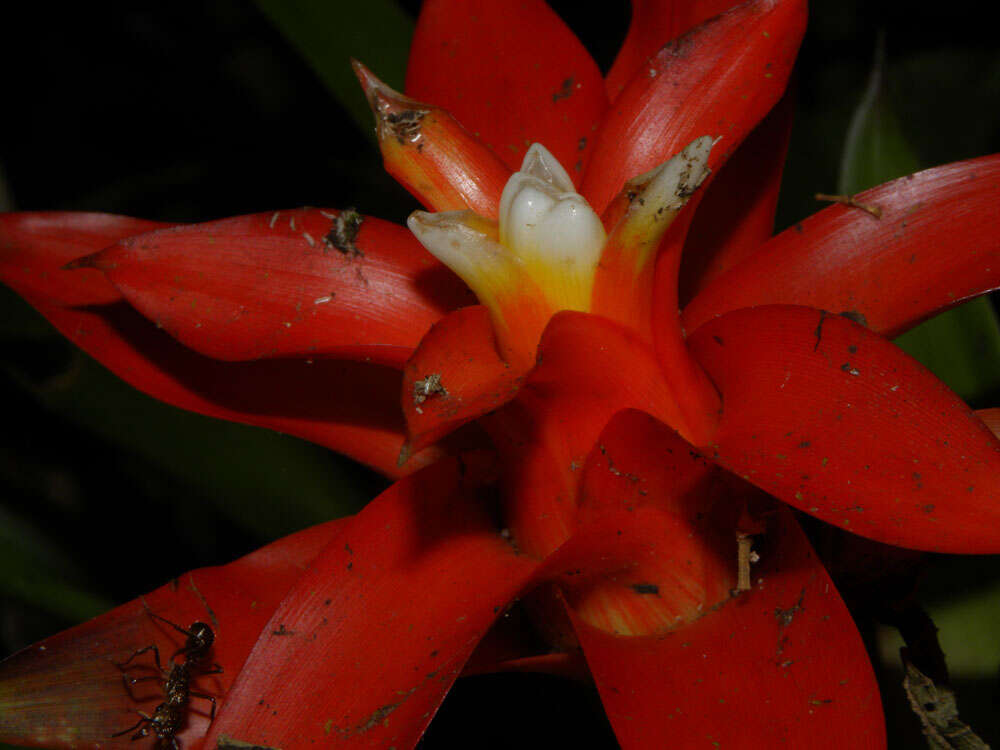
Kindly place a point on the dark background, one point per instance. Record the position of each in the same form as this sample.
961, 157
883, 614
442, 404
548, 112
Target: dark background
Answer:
189, 111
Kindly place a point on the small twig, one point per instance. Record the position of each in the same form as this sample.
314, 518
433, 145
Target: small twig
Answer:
848, 200
745, 557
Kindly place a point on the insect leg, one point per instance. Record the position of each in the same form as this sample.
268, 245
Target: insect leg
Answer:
128, 689
140, 734
195, 694
156, 656
144, 720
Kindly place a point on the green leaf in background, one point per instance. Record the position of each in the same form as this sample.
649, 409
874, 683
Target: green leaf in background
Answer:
967, 633
6, 201
19, 320
876, 149
265, 483
36, 571
327, 34
961, 346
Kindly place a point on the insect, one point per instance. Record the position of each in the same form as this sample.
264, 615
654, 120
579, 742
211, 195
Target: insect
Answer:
168, 717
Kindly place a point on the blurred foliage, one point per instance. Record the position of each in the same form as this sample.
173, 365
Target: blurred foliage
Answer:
326, 34
961, 346
268, 484
35, 570
188, 111
876, 149
962, 597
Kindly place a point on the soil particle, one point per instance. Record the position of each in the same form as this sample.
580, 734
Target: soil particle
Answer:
380, 715
565, 89
856, 317
405, 125
646, 588
819, 329
344, 231
428, 386
786, 616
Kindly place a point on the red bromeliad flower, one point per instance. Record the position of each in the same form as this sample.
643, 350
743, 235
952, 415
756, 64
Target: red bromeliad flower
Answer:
638, 421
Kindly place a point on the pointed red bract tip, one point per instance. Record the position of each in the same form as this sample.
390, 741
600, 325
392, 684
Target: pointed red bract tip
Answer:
935, 246
455, 375
303, 282
990, 418
368, 80
45, 256
430, 153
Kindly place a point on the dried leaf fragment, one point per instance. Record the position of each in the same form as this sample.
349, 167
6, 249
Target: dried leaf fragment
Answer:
937, 710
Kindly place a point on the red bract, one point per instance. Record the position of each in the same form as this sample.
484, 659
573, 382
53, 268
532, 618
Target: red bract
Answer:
632, 443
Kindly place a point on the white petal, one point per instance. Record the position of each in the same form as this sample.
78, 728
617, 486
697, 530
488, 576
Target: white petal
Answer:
551, 230
540, 163
525, 203
538, 222
454, 238
669, 185
570, 233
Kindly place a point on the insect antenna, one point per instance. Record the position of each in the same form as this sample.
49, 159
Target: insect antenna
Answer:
174, 625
